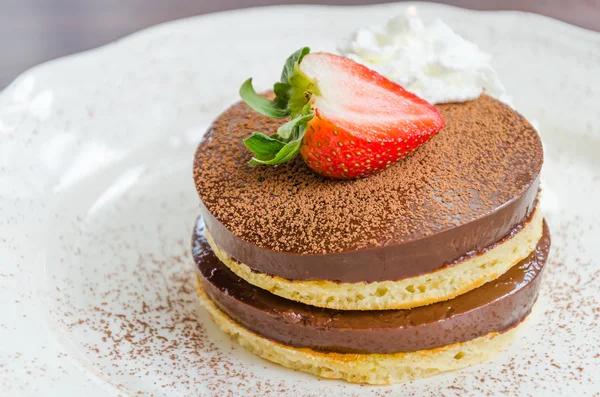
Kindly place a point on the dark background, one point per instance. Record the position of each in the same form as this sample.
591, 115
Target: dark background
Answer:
34, 31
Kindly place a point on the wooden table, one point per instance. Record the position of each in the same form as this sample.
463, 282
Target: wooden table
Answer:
34, 31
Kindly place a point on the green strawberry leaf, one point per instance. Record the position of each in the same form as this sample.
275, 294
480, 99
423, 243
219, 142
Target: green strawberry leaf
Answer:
290, 64
262, 145
286, 131
261, 104
288, 152
282, 94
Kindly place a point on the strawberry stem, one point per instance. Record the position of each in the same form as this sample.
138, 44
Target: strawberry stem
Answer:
292, 98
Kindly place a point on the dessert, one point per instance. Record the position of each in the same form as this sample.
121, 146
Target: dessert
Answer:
377, 347
370, 236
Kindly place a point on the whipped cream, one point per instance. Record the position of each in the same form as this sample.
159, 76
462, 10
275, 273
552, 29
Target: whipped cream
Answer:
431, 60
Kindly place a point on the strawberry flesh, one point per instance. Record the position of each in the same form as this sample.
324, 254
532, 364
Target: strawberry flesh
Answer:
364, 122
347, 121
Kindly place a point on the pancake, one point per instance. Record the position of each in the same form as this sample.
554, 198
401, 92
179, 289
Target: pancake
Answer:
375, 369
494, 307
463, 191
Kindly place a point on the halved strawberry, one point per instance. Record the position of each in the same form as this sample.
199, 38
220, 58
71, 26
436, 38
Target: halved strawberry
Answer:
347, 120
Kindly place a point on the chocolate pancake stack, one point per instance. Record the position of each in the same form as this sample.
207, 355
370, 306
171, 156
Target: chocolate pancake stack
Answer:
427, 266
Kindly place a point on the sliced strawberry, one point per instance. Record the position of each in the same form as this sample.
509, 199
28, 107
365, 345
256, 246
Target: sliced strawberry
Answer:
347, 121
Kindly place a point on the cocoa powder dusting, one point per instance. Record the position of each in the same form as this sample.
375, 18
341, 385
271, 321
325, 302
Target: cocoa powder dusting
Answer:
157, 333
485, 156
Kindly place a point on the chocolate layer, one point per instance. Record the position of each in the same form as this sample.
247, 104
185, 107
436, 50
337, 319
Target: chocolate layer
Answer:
496, 306
464, 190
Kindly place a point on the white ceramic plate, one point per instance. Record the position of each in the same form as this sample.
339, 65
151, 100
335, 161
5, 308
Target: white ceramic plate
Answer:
97, 206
